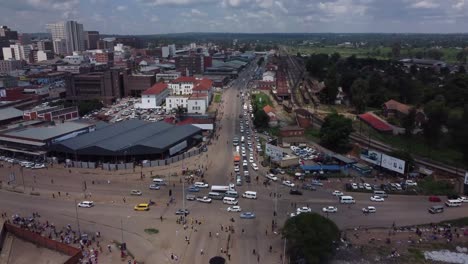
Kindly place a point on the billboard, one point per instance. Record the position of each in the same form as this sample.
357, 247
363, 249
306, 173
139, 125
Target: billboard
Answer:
371, 156
274, 152
393, 164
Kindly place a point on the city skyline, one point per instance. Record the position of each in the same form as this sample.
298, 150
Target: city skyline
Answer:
138, 17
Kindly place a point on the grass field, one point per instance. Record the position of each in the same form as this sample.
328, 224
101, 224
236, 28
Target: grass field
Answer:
217, 98
262, 100
365, 52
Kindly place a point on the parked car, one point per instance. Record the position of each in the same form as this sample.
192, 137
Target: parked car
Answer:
411, 183
295, 192
141, 207
309, 187
317, 183
247, 215
136, 192
193, 189
204, 199
201, 185
254, 166
330, 209
463, 199
190, 197
234, 208
272, 177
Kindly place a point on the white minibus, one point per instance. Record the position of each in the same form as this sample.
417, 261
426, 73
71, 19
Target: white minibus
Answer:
347, 199
250, 195
230, 200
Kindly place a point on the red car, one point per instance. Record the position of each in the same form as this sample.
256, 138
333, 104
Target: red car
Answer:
434, 199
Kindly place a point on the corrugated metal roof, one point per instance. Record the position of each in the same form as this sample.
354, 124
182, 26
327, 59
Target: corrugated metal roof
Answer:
48, 132
9, 113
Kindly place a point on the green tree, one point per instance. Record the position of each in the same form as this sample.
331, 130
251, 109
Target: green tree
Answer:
360, 95
260, 119
437, 115
311, 238
396, 49
85, 107
461, 56
260, 61
434, 54
317, 64
409, 122
335, 132
331, 86
459, 135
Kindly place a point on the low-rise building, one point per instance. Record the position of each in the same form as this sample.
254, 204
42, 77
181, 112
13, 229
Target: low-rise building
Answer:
7, 66
176, 101
197, 103
167, 76
50, 113
135, 84
269, 76
154, 97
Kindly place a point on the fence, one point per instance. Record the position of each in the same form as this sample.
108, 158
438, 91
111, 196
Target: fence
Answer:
39, 240
131, 165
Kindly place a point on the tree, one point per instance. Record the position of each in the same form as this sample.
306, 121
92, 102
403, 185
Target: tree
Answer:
85, 107
335, 132
396, 49
260, 61
359, 94
461, 56
331, 86
434, 54
311, 238
459, 135
437, 115
316, 65
409, 122
261, 119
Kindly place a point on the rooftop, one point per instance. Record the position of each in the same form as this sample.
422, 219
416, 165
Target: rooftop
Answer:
184, 79
156, 89
9, 113
47, 132
395, 105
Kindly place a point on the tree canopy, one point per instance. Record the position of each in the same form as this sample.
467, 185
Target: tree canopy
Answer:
310, 238
335, 132
260, 119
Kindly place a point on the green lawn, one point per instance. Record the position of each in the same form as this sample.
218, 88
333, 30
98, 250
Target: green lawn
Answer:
217, 98
262, 100
364, 52
415, 145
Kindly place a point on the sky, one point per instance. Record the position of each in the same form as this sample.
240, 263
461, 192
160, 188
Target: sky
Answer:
248, 16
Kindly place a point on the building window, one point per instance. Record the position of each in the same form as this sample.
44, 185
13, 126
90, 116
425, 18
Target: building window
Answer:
148, 101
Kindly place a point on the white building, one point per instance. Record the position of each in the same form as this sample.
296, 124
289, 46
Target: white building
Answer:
268, 76
165, 52
74, 59
43, 55
182, 85
154, 96
176, 101
17, 52
8, 53
197, 103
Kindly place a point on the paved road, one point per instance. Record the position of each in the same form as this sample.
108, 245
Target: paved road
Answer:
116, 220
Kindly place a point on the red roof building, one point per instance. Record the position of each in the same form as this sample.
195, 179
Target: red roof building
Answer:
156, 89
375, 122
185, 79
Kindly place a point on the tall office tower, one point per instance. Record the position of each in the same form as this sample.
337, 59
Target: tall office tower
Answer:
45, 44
8, 33
70, 32
91, 38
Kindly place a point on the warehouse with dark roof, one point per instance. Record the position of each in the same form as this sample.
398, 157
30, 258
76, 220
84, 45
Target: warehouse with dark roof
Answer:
131, 140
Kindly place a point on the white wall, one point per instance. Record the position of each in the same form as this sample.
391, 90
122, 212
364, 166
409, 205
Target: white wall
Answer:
175, 101
197, 106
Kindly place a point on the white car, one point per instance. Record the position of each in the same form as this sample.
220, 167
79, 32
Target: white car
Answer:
367, 186
204, 199
330, 209
369, 209
354, 186
254, 166
201, 185
236, 168
251, 159
411, 183
337, 193
288, 183
463, 199
38, 166
86, 204
244, 154
295, 214
244, 163
304, 209
272, 177
376, 198
234, 208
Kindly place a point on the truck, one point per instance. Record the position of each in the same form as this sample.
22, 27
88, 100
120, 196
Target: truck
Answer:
237, 157
220, 188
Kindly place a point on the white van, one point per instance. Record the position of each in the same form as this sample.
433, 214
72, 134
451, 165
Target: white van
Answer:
230, 200
159, 181
453, 203
347, 199
231, 194
242, 139
381, 194
215, 195
250, 195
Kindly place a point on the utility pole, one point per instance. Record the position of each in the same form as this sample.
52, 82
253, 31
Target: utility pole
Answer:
284, 251
77, 218
22, 178
121, 229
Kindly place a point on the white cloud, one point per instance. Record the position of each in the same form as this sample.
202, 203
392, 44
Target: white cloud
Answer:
121, 8
425, 4
281, 7
342, 7
197, 12
176, 2
154, 19
459, 4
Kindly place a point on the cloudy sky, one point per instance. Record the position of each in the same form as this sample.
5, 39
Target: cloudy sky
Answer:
175, 16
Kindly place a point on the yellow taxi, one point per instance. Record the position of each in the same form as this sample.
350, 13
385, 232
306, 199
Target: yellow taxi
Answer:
141, 207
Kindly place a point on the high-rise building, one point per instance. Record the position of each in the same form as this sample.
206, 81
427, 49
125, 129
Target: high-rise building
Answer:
189, 65
91, 38
45, 45
8, 33
17, 52
71, 33
60, 46
8, 53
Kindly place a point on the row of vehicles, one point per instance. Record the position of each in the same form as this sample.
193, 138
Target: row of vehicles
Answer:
24, 163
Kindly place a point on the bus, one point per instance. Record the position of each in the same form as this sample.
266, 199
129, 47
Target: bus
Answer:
220, 188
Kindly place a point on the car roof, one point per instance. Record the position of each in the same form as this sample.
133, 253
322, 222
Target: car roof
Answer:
142, 204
